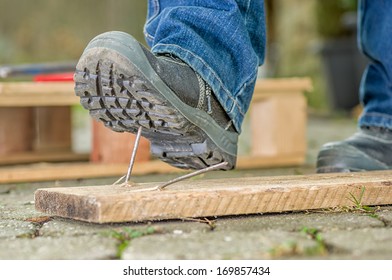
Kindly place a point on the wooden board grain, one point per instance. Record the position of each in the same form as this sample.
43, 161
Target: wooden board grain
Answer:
219, 197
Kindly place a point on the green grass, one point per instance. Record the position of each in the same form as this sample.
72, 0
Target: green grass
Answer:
321, 247
358, 205
292, 248
126, 235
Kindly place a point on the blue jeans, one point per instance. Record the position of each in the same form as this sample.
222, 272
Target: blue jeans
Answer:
375, 40
223, 41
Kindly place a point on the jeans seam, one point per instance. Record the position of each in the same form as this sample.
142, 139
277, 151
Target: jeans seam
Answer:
147, 35
156, 7
361, 11
235, 103
246, 13
156, 11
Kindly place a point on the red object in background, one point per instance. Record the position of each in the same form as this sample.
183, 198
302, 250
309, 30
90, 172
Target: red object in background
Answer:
57, 77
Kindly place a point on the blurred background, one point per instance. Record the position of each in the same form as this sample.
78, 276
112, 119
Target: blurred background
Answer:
300, 36
43, 30
306, 38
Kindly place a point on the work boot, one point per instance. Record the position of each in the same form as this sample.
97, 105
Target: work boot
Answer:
368, 149
125, 86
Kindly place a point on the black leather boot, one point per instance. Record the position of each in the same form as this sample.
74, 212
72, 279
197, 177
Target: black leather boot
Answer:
125, 86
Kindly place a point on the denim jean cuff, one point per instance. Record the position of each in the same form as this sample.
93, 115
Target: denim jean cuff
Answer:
376, 119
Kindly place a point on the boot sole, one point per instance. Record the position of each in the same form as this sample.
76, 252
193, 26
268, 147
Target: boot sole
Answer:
119, 88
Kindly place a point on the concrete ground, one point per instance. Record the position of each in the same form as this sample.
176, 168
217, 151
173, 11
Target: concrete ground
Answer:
326, 234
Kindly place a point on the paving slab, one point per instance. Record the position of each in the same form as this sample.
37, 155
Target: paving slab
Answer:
325, 220
19, 211
363, 243
89, 247
58, 227
15, 228
386, 215
215, 245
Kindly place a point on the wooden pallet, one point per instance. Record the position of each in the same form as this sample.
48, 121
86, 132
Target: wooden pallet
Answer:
84, 170
277, 137
278, 118
276, 103
35, 122
219, 197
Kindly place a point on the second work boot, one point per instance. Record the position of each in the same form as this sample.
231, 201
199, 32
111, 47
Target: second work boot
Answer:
125, 86
368, 149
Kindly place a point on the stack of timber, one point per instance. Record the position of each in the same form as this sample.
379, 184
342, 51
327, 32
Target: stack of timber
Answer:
35, 124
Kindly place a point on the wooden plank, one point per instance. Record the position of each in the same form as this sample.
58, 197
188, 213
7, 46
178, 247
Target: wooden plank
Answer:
16, 130
53, 129
254, 162
120, 148
21, 94
219, 197
278, 126
28, 94
71, 171
36, 88
276, 105
270, 87
42, 156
